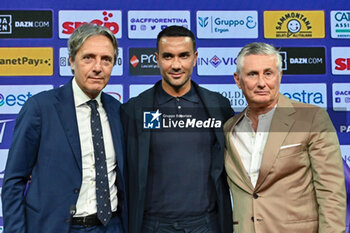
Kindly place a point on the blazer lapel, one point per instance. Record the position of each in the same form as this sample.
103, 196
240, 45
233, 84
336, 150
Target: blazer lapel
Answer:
213, 108
66, 112
280, 126
233, 153
145, 103
114, 123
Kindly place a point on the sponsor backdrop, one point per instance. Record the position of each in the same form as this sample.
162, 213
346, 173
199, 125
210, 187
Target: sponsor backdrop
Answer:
313, 37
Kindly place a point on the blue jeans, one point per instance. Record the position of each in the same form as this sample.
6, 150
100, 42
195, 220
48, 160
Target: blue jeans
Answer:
114, 226
201, 224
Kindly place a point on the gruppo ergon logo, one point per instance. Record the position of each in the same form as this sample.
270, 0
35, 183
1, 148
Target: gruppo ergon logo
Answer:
203, 21
227, 24
69, 20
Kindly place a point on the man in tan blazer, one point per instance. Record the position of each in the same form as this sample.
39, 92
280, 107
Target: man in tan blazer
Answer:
282, 157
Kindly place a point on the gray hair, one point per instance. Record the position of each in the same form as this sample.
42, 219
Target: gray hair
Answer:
82, 33
258, 48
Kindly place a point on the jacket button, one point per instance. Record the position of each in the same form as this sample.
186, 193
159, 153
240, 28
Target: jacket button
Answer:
76, 191
252, 218
255, 196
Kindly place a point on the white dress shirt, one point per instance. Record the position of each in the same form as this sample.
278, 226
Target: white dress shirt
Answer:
250, 144
86, 203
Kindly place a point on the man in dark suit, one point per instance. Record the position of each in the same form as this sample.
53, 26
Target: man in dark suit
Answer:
176, 174
70, 142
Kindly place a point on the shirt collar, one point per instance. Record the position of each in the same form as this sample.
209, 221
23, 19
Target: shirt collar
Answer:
191, 96
80, 97
267, 115
164, 97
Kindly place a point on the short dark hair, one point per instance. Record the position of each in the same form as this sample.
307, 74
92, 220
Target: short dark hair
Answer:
175, 31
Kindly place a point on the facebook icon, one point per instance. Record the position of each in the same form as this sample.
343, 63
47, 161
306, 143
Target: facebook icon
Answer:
151, 120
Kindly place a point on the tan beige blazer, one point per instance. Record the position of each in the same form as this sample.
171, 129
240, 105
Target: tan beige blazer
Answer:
301, 186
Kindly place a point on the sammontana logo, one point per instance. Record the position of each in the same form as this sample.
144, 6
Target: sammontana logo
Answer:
294, 24
293, 17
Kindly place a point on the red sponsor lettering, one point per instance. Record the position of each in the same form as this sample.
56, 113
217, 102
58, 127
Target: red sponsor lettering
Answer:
69, 27
114, 27
342, 64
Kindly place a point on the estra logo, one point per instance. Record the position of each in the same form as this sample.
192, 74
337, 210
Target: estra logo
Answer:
310, 93
13, 97
70, 20
341, 60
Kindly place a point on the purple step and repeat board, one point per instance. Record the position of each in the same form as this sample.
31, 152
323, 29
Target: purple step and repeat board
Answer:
313, 37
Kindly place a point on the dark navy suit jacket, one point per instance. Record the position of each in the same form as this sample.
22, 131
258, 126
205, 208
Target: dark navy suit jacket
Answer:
46, 145
138, 143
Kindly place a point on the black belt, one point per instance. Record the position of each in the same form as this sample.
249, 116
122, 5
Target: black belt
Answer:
90, 220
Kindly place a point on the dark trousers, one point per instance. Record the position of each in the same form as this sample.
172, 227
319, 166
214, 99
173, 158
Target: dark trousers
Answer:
200, 224
114, 226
